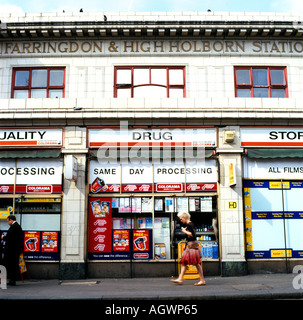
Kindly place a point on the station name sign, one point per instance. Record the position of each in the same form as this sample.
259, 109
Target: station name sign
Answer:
151, 47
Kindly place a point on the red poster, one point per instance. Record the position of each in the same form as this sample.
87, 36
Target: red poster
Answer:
169, 187
31, 241
100, 225
121, 240
7, 189
137, 187
38, 189
140, 240
201, 186
49, 241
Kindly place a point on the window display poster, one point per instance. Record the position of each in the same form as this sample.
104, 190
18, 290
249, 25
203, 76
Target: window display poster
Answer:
169, 204
206, 204
142, 244
120, 240
49, 241
182, 204
158, 204
273, 219
104, 243
41, 245
162, 238
31, 241
147, 205
99, 225
194, 204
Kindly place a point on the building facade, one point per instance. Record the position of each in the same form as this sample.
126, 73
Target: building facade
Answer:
112, 123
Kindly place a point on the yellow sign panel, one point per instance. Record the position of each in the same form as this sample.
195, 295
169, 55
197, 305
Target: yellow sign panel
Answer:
231, 174
279, 185
232, 205
58, 200
248, 224
5, 213
281, 253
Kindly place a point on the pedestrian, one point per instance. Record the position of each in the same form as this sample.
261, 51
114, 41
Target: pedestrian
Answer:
13, 248
2, 244
191, 254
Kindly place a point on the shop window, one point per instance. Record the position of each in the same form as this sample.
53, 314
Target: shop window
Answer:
159, 82
40, 219
261, 82
147, 227
38, 83
273, 218
203, 211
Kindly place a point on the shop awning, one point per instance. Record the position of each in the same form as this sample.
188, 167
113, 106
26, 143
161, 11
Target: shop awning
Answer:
13, 154
274, 153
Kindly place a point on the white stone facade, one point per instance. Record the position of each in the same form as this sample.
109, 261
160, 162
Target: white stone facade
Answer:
209, 52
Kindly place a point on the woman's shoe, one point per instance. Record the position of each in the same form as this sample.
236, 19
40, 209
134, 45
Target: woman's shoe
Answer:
176, 281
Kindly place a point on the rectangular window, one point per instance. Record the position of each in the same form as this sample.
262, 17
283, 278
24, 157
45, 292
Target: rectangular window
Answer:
261, 82
157, 82
38, 83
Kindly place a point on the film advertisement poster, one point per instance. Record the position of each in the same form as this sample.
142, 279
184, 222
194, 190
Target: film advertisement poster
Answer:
120, 240
142, 241
100, 225
31, 241
49, 241
41, 245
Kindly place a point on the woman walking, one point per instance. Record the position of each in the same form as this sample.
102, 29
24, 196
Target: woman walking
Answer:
191, 255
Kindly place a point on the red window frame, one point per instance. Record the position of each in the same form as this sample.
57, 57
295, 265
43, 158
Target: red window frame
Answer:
131, 85
270, 86
30, 87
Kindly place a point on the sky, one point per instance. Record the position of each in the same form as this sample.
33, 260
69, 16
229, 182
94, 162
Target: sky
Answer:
37, 6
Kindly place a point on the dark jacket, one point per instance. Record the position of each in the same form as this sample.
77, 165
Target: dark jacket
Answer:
13, 241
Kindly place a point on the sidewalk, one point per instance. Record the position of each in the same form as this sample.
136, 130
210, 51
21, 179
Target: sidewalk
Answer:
264, 286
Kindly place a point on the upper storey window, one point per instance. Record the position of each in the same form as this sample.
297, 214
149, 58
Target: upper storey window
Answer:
156, 82
261, 82
38, 83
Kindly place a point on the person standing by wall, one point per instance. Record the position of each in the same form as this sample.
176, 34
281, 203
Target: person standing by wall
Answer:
13, 248
191, 255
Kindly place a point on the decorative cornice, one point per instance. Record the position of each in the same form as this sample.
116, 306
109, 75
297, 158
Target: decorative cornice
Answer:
207, 28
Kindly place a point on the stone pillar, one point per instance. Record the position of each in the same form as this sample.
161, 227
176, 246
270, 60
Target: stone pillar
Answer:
231, 205
73, 243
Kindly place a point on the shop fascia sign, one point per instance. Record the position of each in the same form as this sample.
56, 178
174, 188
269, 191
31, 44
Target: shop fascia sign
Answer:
39, 137
272, 169
272, 137
31, 176
154, 137
152, 177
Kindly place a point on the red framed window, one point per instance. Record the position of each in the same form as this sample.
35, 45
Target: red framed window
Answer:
156, 81
261, 82
38, 83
